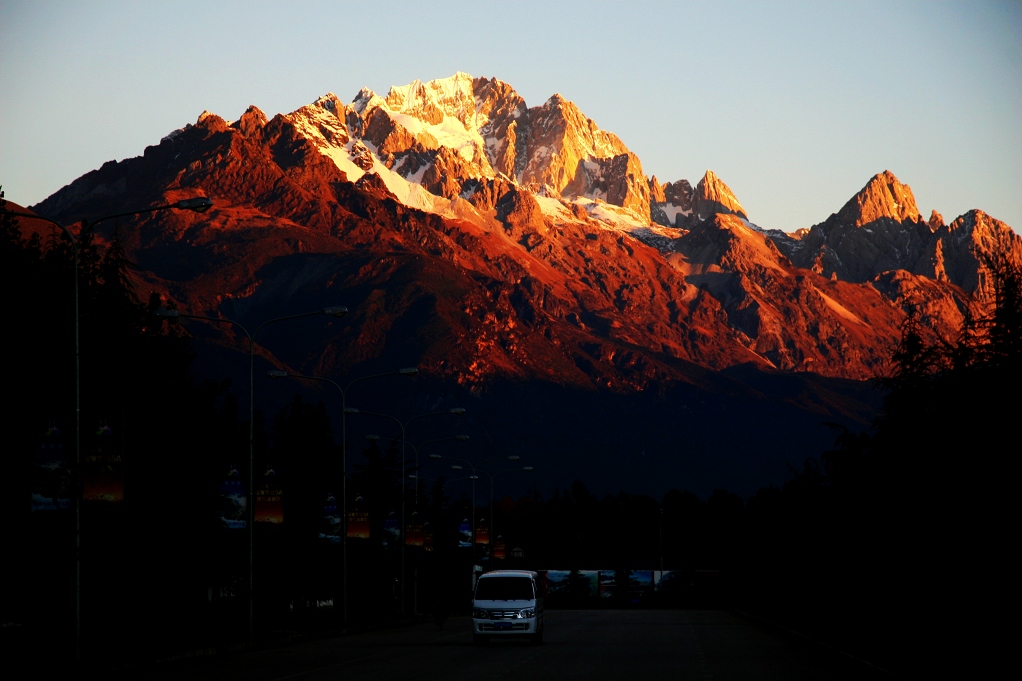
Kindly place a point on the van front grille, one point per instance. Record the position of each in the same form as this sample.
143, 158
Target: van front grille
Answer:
503, 614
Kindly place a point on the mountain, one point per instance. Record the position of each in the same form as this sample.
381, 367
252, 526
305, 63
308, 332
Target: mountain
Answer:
520, 254
881, 230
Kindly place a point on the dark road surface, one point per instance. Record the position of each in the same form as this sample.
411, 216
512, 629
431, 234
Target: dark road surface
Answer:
582, 644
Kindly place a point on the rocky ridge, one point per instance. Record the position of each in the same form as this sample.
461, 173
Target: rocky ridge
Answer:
459, 137
880, 230
536, 241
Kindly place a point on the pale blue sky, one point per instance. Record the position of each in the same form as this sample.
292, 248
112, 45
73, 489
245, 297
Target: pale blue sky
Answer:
794, 105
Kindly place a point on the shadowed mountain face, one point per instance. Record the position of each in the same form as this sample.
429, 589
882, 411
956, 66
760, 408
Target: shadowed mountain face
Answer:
511, 251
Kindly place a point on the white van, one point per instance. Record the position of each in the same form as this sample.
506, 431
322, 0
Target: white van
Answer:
507, 603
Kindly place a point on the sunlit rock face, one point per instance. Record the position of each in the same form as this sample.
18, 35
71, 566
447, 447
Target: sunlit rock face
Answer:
933, 302
679, 205
712, 196
793, 317
877, 230
568, 153
883, 197
880, 230
671, 203
507, 241
433, 143
964, 251
446, 132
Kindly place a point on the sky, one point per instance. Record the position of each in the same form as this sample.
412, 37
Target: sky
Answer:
794, 105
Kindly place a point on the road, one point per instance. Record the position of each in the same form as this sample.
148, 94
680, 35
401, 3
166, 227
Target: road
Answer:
581, 644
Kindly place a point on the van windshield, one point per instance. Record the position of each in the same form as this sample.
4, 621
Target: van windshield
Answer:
504, 589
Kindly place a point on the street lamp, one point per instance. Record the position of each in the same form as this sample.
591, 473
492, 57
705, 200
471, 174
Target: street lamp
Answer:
493, 519
467, 477
475, 471
661, 542
460, 438
406, 371
335, 311
199, 205
417, 477
474, 477
457, 411
415, 568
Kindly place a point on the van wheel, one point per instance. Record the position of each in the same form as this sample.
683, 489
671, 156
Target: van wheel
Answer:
537, 638
479, 640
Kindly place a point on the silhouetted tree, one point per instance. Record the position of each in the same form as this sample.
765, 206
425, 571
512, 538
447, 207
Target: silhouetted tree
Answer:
159, 545
908, 522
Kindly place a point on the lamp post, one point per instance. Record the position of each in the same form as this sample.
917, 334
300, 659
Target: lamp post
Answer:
407, 371
661, 541
460, 438
415, 569
457, 411
474, 478
336, 311
493, 520
377, 438
417, 477
475, 472
199, 205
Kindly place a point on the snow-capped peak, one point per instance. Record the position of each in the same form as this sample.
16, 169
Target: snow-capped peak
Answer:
452, 96
330, 102
365, 100
437, 142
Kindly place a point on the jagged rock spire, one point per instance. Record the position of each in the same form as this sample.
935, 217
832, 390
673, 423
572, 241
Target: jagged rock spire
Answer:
882, 197
713, 196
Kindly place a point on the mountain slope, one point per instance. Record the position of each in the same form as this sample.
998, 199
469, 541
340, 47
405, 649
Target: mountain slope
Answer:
880, 230
518, 253
549, 268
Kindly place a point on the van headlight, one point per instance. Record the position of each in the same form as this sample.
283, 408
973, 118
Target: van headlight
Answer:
527, 613
480, 614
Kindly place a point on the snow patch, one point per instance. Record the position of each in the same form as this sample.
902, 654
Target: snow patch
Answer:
840, 309
450, 132
672, 212
552, 207
616, 216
